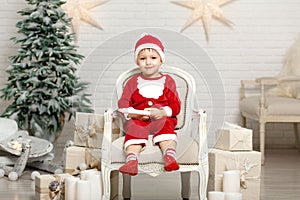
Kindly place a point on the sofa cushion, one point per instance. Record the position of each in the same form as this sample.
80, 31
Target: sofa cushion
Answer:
275, 105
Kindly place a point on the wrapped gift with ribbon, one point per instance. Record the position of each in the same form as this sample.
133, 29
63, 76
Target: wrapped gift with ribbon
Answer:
50, 187
92, 158
89, 130
247, 162
81, 158
234, 138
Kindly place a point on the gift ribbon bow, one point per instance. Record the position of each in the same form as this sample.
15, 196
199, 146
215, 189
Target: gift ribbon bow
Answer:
245, 167
91, 160
87, 131
56, 188
240, 140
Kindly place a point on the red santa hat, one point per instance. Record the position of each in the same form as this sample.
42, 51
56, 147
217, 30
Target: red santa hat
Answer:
149, 41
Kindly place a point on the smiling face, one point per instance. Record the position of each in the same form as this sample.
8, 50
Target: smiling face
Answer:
149, 62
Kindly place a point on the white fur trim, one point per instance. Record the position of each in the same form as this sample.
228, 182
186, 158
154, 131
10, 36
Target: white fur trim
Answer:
168, 110
151, 88
151, 46
135, 141
164, 137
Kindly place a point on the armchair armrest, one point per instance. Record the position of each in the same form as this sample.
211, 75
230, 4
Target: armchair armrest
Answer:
267, 80
276, 80
261, 81
288, 79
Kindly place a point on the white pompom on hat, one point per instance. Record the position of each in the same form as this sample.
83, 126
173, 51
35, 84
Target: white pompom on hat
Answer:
149, 41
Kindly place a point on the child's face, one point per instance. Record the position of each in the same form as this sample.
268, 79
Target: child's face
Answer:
149, 62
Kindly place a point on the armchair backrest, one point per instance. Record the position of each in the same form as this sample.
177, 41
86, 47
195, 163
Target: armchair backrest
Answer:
186, 87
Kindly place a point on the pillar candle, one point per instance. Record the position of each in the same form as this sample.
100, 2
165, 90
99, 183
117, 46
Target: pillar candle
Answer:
83, 174
231, 181
96, 187
70, 188
83, 190
216, 195
233, 196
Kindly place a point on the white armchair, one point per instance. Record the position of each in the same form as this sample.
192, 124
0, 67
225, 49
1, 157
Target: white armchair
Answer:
267, 108
192, 152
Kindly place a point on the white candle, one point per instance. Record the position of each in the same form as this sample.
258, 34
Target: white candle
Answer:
231, 181
96, 186
216, 195
233, 196
83, 174
70, 188
83, 190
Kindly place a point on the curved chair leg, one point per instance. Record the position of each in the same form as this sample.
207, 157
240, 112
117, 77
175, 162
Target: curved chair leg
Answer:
203, 178
202, 184
105, 172
185, 184
126, 186
296, 135
262, 141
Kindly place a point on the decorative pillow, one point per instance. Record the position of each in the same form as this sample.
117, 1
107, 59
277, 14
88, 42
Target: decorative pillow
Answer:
289, 89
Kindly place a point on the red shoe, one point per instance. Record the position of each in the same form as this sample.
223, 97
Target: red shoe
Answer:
131, 168
170, 163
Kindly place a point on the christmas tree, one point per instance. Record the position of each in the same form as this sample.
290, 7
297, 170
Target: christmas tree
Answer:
42, 83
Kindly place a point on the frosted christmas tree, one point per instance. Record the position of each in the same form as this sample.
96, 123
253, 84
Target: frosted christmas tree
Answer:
42, 84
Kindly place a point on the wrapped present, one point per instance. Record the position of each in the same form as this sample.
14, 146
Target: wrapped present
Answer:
49, 187
234, 138
89, 130
249, 164
76, 156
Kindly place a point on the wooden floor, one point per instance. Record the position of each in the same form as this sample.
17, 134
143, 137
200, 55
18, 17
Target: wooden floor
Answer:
280, 180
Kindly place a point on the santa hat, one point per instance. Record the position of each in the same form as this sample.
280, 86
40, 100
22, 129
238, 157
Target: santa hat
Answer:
149, 41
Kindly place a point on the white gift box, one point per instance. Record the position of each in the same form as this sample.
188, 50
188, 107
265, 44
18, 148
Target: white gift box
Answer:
234, 139
249, 164
89, 130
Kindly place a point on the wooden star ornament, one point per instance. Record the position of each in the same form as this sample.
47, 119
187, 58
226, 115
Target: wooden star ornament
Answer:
205, 10
78, 10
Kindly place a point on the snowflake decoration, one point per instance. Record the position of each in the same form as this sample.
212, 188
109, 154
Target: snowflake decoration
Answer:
205, 10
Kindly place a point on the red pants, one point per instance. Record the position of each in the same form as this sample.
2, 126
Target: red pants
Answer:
137, 131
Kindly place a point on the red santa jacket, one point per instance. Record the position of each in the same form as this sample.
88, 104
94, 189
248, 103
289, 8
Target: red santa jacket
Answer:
141, 92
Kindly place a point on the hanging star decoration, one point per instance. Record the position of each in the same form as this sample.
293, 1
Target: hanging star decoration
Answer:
205, 10
78, 10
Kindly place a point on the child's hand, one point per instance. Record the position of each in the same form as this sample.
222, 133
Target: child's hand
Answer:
140, 117
157, 113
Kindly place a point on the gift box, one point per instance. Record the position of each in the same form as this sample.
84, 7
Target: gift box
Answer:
234, 139
48, 187
89, 130
249, 164
76, 156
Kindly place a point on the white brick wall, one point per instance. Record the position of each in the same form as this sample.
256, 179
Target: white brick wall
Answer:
254, 46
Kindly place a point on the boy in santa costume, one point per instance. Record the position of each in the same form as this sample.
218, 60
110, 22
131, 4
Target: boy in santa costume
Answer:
156, 92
